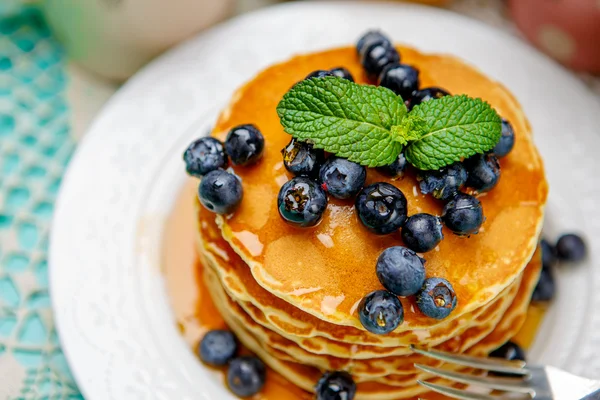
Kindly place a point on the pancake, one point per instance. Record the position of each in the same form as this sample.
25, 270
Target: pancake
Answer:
392, 385
381, 365
316, 335
325, 271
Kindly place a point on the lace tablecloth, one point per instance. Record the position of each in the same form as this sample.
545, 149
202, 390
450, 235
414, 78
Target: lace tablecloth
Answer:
45, 106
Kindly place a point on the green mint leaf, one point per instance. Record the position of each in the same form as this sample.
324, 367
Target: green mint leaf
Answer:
353, 121
454, 127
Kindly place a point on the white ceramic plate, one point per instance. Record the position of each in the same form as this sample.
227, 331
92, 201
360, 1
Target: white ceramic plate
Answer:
111, 306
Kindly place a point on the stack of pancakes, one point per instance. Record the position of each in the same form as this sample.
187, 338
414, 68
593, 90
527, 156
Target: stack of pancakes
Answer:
291, 294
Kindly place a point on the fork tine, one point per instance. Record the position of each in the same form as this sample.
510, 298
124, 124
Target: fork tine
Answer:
507, 384
512, 367
468, 395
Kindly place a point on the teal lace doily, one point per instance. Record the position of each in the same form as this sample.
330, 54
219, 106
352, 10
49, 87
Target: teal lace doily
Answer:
35, 146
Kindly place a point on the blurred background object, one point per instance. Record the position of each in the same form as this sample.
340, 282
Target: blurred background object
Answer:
568, 30
114, 38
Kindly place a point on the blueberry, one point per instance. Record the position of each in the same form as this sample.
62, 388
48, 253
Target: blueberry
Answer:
445, 183
545, 288
342, 178
436, 299
507, 140
370, 38
381, 208
320, 73
509, 351
244, 144
380, 312
463, 215
217, 347
423, 95
396, 169
204, 155
483, 172
302, 202
342, 72
422, 232
570, 247
336, 385
377, 56
246, 376
548, 254
220, 192
301, 159
402, 79
401, 271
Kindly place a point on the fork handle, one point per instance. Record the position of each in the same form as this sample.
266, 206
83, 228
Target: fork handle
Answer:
593, 396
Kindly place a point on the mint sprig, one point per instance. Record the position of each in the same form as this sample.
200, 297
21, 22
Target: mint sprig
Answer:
370, 125
452, 128
344, 118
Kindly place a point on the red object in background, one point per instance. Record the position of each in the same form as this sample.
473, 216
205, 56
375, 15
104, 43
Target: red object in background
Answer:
568, 30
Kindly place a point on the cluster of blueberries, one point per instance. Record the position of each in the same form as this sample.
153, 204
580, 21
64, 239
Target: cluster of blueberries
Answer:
221, 191
245, 374
569, 248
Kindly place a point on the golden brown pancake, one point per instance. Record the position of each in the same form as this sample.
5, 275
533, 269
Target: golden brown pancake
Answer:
476, 340
327, 270
316, 335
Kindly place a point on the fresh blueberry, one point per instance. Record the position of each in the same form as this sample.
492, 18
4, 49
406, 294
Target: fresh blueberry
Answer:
302, 202
204, 155
336, 385
507, 140
342, 178
483, 172
422, 232
423, 95
246, 376
370, 38
548, 254
396, 169
445, 183
244, 144
570, 247
436, 299
217, 347
380, 312
402, 79
381, 208
463, 215
220, 191
377, 56
320, 73
342, 72
401, 271
301, 159
509, 351
545, 288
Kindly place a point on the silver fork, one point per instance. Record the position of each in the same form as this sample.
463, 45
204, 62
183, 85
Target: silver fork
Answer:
529, 382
